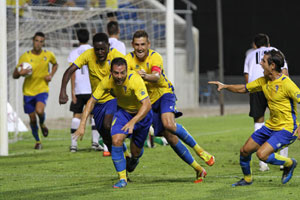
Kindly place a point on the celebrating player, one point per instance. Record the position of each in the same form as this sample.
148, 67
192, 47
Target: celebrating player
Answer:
35, 87
134, 115
149, 65
280, 129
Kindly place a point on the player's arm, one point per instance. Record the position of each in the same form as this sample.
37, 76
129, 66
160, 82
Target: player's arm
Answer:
86, 112
238, 88
49, 77
63, 97
74, 99
153, 77
246, 75
19, 71
143, 111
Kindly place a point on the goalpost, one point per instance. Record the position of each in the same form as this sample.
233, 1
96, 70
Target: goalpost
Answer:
60, 23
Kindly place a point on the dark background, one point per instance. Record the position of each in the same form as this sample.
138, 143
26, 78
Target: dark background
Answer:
241, 21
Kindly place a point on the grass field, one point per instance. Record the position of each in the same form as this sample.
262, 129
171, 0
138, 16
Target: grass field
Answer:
55, 173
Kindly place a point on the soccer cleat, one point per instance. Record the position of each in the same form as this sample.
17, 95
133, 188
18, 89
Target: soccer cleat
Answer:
45, 131
131, 164
106, 153
263, 166
288, 172
97, 147
241, 182
73, 149
200, 175
208, 158
38, 146
122, 183
281, 167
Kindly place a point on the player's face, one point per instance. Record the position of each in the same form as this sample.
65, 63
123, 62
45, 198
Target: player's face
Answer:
265, 65
141, 47
38, 43
119, 74
101, 50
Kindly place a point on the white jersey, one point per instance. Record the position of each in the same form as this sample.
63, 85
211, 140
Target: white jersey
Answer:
82, 80
252, 65
117, 44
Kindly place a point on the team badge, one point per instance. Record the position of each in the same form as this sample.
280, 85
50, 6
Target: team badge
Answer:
143, 93
298, 95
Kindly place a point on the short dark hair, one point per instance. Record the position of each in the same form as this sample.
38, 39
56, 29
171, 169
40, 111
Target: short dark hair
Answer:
118, 61
100, 37
112, 28
276, 57
83, 35
41, 34
139, 34
261, 40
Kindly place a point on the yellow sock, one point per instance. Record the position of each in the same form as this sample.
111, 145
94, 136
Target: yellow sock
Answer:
288, 161
198, 149
248, 178
122, 175
196, 166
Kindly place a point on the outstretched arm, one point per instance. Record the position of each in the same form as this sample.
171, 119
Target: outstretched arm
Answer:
154, 77
86, 112
63, 97
238, 88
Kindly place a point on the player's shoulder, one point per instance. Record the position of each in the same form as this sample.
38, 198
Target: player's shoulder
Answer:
153, 53
132, 75
129, 56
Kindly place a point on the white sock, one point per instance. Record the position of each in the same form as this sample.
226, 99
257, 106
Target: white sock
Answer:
74, 125
105, 147
95, 134
258, 126
284, 152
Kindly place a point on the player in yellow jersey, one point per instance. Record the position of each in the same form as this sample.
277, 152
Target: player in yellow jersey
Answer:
149, 64
98, 60
133, 118
35, 86
281, 129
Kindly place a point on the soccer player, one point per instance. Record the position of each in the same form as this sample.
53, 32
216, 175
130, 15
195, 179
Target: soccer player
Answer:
98, 60
134, 115
81, 90
252, 71
280, 129
35, 86
149, 65
113, 34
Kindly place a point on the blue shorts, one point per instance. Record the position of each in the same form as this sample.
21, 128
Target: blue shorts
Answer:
277, 139
166, 103
30, 101
140, 131
100, 110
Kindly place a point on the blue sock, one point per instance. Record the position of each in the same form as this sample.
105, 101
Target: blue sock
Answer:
275, 161
118, 158
183, 152
245, 164
35, 131
42, 118
184, 135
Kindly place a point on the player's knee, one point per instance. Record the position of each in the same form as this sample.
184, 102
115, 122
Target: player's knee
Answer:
117, 141
170, 126
261, 156
243, 152
171, 138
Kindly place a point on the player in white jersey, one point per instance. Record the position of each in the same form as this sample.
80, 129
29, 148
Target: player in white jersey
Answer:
113, 33
81, 91
252, 71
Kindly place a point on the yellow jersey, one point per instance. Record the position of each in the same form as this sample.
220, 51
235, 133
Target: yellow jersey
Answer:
97, 70
154, 59
128, 95
35, 83
282, 96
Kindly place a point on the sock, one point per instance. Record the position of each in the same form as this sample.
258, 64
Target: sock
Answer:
35, 132
258, 125
277, 159
42, 118
105, 147
245, 163
284, 152
182, 133
95, 134
119, 161
74, 126
196, 166
126, 151
183, 152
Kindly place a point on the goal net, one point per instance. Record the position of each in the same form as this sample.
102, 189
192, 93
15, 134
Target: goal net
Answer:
60, 20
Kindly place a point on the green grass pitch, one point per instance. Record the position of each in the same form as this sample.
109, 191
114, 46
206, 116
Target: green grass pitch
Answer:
55, 173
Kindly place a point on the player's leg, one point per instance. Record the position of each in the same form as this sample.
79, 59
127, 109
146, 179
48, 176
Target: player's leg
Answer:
29, 108
41, 100
266, 152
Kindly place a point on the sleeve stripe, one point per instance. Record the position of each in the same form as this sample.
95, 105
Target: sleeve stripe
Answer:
144, 98
95, 97
76, 65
